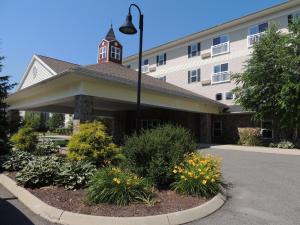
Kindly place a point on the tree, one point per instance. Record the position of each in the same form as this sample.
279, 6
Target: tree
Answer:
270, 83
5, 87
56, 121
35, 120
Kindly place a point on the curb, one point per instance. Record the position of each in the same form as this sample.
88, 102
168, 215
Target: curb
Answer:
69, 218
253, 149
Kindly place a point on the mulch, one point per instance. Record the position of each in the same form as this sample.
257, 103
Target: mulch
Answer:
74, 200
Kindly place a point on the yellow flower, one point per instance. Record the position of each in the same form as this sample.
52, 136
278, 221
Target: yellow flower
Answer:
212, 180
174, 171
204, 182
207, 177
182, 177
116, 180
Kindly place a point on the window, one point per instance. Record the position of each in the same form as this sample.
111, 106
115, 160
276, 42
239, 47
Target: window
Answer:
220, 45
219, 96
149, 124
217, 128
115, 53
161, 59
267, 129
163, 78
220, 73
102, 53
229, 96
194, 76
294, 16
255, 32
194, 50
145, 66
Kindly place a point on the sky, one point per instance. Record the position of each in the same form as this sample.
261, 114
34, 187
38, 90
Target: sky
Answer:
71, 30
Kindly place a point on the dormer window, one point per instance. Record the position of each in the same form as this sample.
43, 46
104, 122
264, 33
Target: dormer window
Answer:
115, 53
102, 52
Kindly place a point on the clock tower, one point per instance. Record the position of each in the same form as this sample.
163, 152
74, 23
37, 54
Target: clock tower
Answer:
110, 50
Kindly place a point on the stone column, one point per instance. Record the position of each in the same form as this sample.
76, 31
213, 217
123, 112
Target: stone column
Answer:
83, 110
205, 128
119, 126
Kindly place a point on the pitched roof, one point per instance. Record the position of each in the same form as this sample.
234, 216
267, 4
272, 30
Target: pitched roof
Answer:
118, 73
57, 65
110, 36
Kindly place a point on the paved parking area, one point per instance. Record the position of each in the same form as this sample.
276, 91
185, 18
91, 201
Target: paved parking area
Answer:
265, 189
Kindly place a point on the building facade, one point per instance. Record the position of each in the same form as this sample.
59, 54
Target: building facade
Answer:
202, 62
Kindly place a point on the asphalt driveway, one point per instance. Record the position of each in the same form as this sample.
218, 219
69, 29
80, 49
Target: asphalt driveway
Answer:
265, 189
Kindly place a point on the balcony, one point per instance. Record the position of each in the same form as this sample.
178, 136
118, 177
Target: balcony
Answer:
220, 77
252, 39
220, 49
145, 68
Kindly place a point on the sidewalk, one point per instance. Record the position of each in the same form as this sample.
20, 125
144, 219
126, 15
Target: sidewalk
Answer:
252, 149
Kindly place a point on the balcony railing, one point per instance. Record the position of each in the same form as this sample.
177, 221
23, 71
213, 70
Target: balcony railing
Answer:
145, 68
220, 77
220, 48
252, 39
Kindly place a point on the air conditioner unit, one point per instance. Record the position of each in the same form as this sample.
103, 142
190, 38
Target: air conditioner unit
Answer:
206, 55
152, 69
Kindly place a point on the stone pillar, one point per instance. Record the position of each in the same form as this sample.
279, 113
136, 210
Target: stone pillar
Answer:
205, 128
83, 110
119, 126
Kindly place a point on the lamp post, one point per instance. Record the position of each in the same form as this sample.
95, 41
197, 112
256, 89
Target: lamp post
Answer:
129, 28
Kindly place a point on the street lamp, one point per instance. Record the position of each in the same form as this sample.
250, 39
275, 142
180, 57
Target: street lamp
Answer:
129, 28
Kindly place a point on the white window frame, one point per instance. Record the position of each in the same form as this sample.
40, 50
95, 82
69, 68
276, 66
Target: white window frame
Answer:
116, 51
194, 76
220, 45
254, 36
194, 52
227, 92
222, 73
161, 59
261, 128
102, 52
220, 129
145, 67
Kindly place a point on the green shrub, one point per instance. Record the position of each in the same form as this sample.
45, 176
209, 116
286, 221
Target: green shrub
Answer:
155, 152
198, 175
42, 171
114, 186
25, 139
74, 174
250, 136
15, 160
55, 121
285, 144
63, 131
46, 146
92, 143
53, 170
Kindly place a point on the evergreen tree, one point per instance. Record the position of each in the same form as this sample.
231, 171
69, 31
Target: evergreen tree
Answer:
56, 121
5, 87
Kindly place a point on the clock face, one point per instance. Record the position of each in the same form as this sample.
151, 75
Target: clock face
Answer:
34, 72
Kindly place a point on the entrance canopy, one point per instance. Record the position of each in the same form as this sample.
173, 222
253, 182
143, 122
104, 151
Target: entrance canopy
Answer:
50, 85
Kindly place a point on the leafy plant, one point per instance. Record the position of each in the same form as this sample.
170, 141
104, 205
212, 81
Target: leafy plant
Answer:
25, 139
46, 146
250, 136
285, 144
15, 160
42, 171
74, 174
155, 152
92, 143
114, 186
198, 175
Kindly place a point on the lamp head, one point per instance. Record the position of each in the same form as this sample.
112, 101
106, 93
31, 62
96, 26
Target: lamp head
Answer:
128, 27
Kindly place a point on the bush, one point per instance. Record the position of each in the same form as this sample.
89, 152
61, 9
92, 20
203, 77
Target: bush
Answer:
285, 144
63, 131
16, 160
250, 136
74, 174
53, 170
114, 186
155, 152
46, 146
198, 175
42, 171
25, 139
92, 143
56, 121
